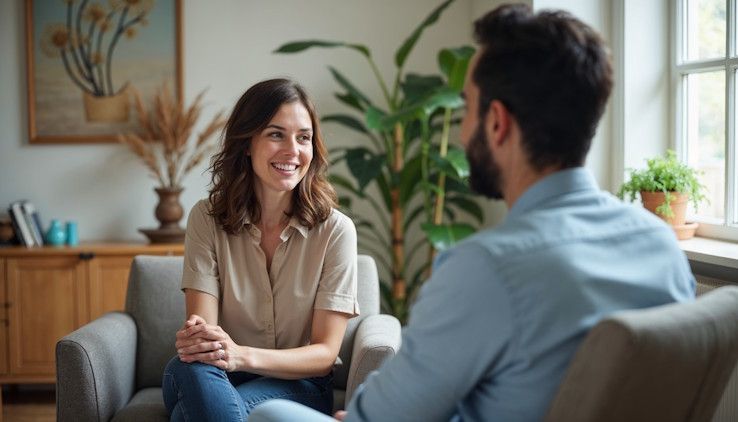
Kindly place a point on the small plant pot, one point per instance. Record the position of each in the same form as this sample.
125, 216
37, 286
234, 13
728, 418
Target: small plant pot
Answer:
109, 109
683, 229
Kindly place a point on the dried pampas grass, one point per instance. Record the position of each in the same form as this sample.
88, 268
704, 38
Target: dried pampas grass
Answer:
163, 141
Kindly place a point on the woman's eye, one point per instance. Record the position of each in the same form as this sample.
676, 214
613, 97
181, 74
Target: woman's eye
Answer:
305, 138
275, 135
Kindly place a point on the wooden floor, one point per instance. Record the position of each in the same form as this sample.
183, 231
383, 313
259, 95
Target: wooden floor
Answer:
28, 404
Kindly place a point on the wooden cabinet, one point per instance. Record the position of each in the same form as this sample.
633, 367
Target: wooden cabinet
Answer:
46, 293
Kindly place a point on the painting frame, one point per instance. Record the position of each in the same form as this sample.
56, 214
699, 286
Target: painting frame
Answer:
34, 117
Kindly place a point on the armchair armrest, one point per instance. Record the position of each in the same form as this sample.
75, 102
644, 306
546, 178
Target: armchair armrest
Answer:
377, 339
95, 368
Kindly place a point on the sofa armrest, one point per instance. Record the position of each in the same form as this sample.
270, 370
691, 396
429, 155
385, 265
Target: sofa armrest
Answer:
377, 339
95, 368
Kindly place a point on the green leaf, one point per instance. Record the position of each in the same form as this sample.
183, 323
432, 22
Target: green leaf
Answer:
350, 122
344, 201
298, 46
345, 183
454, 63
443, 236
453, 164
454, 185
412, 215
467, 205
350, 101
443, 98
374, 118
457, 159
407, 46
349, 87
364, 165
416, 87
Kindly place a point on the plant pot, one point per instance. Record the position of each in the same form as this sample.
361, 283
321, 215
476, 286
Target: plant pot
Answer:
169, 212
683, 230
108, 109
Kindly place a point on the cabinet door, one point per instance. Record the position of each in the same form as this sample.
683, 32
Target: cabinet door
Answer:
3, 321
47, 301
108, 284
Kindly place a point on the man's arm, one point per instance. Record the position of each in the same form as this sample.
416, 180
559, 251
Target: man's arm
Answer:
459, 329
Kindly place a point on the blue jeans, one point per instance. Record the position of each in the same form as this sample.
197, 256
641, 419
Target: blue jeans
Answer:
200, 392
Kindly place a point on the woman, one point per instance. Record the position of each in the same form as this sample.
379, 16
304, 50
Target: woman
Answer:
269, 271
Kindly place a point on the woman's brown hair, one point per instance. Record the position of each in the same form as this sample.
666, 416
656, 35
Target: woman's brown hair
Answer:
232, 196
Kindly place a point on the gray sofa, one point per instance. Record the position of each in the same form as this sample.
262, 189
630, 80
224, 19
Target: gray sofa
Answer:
112, 367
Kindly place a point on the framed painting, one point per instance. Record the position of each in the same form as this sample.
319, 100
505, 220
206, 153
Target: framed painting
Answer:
85, 59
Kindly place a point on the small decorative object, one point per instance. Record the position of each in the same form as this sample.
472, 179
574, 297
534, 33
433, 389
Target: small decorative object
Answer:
665, 187
84, 58
6, 230
72, 235
164, 147
55, 236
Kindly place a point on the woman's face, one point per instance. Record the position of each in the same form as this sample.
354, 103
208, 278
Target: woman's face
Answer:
282, 152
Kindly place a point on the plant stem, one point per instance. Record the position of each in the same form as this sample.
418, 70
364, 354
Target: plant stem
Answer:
381, 82
443, 151
74, 38
72, 75
398, 240
111, 47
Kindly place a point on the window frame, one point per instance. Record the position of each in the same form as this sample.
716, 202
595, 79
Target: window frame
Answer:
681, 68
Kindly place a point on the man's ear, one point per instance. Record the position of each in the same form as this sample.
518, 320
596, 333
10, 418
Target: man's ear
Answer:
497, 122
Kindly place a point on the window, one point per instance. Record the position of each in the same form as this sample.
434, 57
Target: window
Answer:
705, 66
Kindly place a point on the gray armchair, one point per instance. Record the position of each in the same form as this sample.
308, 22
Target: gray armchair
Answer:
668, 363
112, 367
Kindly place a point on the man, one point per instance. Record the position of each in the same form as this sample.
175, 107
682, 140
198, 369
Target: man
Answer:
493, 331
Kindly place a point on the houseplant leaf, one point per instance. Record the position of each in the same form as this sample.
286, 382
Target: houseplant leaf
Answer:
443, 236
298, 46
364, 165
453, 63
407, 46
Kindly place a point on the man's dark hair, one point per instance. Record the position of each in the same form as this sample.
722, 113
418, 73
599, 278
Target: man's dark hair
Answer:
553, 74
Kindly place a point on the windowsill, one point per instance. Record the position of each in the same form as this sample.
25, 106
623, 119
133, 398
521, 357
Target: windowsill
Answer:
711, 251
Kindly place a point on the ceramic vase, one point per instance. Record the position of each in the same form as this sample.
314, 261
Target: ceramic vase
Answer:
55, 235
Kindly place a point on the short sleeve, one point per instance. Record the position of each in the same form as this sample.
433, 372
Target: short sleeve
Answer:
338, 280
200, 261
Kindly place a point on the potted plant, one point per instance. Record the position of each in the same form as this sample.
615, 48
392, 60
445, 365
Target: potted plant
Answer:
666, 185
405, 154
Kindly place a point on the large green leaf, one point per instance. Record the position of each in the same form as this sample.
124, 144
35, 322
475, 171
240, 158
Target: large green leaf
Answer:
443, 98
407, 46
349, 87
345, 183
416, 87
298, 46
350, 101
364, 165
467, 205
374, 118
454, 185
350, 122
453, 63
443, 236
453, 164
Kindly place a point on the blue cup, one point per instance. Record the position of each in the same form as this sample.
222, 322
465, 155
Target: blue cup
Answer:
72, 235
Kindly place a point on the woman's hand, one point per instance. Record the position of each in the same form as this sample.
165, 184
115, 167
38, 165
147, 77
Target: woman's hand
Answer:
183, 340
211, 345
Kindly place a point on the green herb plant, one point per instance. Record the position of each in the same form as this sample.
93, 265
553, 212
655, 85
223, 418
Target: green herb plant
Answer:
667, 175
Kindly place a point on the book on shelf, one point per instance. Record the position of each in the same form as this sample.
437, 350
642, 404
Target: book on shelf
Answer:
34, 222
20, 224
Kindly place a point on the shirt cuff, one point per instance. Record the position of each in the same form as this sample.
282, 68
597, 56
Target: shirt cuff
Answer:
337, 302
201, 282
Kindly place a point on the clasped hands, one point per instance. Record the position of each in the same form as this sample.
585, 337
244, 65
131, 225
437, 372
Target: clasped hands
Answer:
199, 341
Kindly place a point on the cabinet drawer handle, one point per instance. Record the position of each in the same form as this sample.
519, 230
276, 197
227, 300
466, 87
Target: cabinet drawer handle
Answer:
86, 256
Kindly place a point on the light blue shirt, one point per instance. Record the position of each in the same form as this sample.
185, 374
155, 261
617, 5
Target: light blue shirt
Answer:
494, 329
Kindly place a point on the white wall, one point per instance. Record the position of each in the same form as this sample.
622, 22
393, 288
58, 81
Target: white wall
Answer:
227, 47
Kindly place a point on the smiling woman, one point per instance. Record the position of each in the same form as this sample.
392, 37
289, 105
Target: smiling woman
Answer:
270, 267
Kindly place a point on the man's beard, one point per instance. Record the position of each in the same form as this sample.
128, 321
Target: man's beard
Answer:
484, 173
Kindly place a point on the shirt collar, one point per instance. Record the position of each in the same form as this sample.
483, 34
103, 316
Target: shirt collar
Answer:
555, 184
293, 224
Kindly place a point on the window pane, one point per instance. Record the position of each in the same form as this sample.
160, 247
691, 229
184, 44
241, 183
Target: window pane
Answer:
706, 35
706, 137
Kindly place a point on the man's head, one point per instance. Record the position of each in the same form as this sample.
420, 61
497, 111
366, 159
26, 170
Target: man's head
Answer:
541, 80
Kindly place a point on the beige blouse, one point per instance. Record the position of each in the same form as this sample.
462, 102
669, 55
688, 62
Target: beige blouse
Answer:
311, 269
